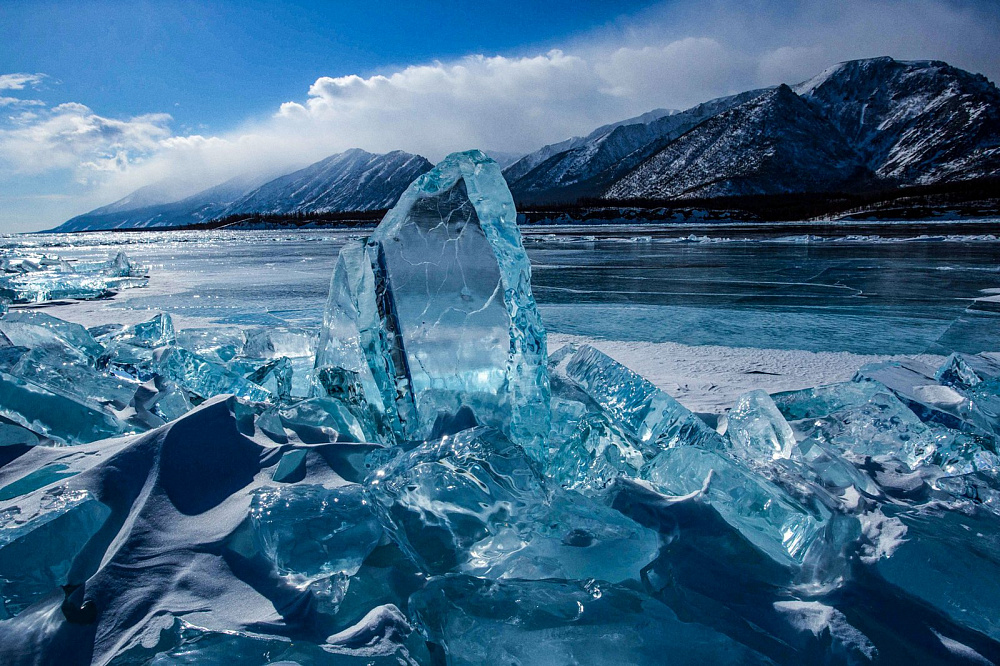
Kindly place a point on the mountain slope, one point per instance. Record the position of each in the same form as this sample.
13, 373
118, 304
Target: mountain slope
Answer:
872, 123
775, 143
585, 167
354, 180
912, 122
349, 181
197, 208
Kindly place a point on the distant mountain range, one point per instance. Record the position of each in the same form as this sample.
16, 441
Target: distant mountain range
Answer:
863, 124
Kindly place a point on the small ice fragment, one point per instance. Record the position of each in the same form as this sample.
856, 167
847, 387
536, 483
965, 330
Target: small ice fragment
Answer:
757, 431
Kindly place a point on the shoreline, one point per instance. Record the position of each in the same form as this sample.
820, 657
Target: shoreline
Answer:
895, 229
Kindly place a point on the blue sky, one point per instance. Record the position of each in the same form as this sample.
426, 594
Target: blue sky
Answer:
212, 65
100, 98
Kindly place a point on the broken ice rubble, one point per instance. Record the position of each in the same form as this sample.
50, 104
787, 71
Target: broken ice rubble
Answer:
418, 482
37, 279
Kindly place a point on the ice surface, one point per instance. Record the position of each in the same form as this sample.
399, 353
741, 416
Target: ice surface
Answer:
438, 304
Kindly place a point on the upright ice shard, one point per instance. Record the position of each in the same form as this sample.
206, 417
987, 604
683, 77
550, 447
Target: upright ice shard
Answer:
438, 303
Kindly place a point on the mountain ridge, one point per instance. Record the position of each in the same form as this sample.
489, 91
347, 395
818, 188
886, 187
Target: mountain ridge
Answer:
867, 124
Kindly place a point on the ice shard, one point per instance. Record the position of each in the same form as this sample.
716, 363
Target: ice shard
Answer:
49, 413
438, 303
756, 429
975, 409
316, 537
764, 513
156, 332
649, 417
37, 547
475, 621
61, 369
41, 279
204, 378
30, 329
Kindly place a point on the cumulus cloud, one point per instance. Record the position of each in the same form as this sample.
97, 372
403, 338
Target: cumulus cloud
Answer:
71, 136
672, 56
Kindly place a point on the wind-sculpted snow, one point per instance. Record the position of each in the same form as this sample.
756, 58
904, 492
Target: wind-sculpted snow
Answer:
450, 495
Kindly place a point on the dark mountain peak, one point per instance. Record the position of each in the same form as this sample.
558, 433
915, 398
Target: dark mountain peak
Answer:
772, 143
912, 121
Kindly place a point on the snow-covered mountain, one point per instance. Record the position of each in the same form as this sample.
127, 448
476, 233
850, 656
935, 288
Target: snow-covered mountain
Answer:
914, 122
774, 143
354, 180
860, 123
132, 212
350, 181
587, 166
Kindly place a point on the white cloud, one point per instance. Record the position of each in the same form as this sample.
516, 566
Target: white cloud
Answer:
71, 136
19, 81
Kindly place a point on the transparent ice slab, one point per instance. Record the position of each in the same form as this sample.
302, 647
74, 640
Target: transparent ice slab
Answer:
648, 416
31, 329
62, 369
438, 304
203, 377
63, 418
765, 514
39, 540
156, 332
756, 430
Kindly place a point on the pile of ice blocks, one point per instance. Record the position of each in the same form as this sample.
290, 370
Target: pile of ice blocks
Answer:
426, 485
41, 278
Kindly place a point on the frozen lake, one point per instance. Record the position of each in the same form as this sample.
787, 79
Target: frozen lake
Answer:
691, 314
